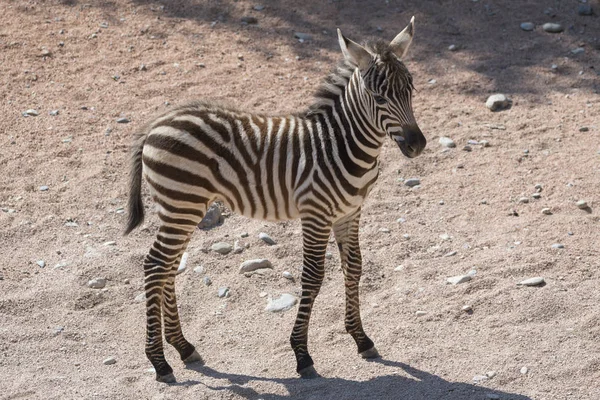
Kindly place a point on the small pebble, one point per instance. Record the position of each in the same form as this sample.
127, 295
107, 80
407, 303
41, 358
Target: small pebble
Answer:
251, 265
288, 275
546, 211
447, 142
445, 237
452, 47
455, 280
538, 187
450, 254
122, 120
329, 255
582, 204
140, 297
401, 220
97, 283
259, 7
126, 281
490, 374
492, 396
109, 361
183, 263
41, 263
524, 370
262, 294
420, 313
584, 9
283, 303
527, 26
399, 268
237, 247
249, 20
222, 248
484, 143
480, 378
266, 238
53, 113
384, 230
303, 37
223, 292
558, 246
109, 243
538, 280
412, 182
551, 27
584, 129
199, 269
44, 188
244, 235
536, 196
578, 50
467, 308
497, 102
524, 200
207, 281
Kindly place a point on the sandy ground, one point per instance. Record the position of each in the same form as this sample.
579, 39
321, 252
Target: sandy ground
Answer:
84, 59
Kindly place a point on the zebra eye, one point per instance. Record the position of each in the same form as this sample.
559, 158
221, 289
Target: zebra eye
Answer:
379, 99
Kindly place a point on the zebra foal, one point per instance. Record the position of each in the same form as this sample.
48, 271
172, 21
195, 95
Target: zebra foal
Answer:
318, 166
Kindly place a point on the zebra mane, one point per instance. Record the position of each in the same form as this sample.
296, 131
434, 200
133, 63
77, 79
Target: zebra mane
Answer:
334, 84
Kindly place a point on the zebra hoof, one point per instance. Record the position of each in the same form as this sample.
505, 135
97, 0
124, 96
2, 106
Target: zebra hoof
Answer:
309, 373
371, 353
169, 378
194, 357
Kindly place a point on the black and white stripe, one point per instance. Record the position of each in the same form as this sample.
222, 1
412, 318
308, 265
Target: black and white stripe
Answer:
318, 166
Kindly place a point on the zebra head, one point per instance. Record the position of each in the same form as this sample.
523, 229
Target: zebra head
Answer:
385, 88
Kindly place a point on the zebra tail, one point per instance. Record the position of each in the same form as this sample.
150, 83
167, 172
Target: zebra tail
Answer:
135, 204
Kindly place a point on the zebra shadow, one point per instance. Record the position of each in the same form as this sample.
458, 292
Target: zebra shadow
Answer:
407, 383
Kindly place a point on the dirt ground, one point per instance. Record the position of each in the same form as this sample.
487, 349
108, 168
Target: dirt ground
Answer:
98, 61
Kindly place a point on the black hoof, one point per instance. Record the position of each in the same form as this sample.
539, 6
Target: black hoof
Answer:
371, 353
194, 357
309, 373
169, 378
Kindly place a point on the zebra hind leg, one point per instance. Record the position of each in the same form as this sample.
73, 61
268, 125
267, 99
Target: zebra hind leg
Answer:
159, 270
346, 234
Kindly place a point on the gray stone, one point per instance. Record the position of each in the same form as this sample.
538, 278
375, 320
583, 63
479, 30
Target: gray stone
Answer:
584, 9
527, 26
44, 188
41, 263
258, 7
536, 196
237, 247
222, 248
266, 238
498, 102
53, 113
97, 283
30, 113
283, 303
212, 218
452, 47
538, 280
401, 220
109, 361
490, 374
480, 378
582, 204
249, 20
447, 142
223, 292
251, 265
524, 200
109, 243
558, 246
450, 254
207, 281
244, 235
578, 50
123, 120
412, 182
455, 280
552, 27
288, 275
584, 129
302, 36
485, 143
546, 211
492, 396
420, 313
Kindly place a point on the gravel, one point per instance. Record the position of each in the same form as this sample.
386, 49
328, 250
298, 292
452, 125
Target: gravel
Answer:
527, 26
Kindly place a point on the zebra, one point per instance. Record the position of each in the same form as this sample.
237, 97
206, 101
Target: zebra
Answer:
317, 166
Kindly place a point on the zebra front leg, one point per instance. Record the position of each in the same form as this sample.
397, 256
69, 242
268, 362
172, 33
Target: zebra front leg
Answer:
346, 235
315, 236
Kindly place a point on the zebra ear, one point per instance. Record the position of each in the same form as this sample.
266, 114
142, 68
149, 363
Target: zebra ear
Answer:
402, 42
354, 52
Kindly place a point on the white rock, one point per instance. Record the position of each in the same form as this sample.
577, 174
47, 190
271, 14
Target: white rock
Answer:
140, 297
399, 268
497, 102
455, 280
527, 26
480, 378
546, 211
445, 236
447, 142
182, 263
420, 313
251, 265
109, 243
97, 283
538, 280
467, 308
490, 374
524, 370
266, 238
558, 246
199, 269
582, 204
288, 275
109, 361
283, 303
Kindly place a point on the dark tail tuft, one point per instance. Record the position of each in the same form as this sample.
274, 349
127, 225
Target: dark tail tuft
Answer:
135, 205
